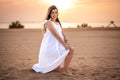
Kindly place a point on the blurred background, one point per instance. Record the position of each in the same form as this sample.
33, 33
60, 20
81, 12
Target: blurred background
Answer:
31, 13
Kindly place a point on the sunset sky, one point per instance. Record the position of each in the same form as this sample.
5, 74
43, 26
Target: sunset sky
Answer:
69, 10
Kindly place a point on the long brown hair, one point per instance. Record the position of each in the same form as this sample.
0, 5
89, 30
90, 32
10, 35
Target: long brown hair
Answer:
48, 16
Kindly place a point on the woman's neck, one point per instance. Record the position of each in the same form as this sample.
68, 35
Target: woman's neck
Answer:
54, 20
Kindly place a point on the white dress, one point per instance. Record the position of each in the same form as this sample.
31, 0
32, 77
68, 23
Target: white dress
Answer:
52, 53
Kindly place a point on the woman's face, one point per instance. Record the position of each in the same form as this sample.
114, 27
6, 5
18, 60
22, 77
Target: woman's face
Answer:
54, 14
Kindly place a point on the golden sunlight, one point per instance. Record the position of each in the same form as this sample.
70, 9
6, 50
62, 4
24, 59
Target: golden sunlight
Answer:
61, 4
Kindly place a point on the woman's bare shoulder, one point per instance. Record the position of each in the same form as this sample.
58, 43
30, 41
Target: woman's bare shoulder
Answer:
49, 23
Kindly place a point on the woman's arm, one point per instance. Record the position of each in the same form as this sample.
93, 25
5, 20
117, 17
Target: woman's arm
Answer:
50, 27
65, 39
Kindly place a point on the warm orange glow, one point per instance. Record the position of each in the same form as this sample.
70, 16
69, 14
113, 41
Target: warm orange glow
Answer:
69, 10
61, 4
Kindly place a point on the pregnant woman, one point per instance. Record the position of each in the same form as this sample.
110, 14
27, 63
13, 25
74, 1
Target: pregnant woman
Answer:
55, 53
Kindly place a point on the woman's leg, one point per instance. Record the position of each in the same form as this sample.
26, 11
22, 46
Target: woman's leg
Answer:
68, 60
66, 63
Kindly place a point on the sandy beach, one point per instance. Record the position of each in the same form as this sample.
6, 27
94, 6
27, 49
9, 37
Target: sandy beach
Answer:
97, 54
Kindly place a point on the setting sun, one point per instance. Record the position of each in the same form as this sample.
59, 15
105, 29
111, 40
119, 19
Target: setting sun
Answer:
61, 4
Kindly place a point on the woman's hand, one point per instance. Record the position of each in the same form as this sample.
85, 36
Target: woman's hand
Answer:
67, 46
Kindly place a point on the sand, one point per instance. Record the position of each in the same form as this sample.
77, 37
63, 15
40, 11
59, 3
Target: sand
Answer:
96, 57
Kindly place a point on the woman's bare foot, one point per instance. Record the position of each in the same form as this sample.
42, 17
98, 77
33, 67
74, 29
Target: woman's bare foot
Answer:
66, 72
